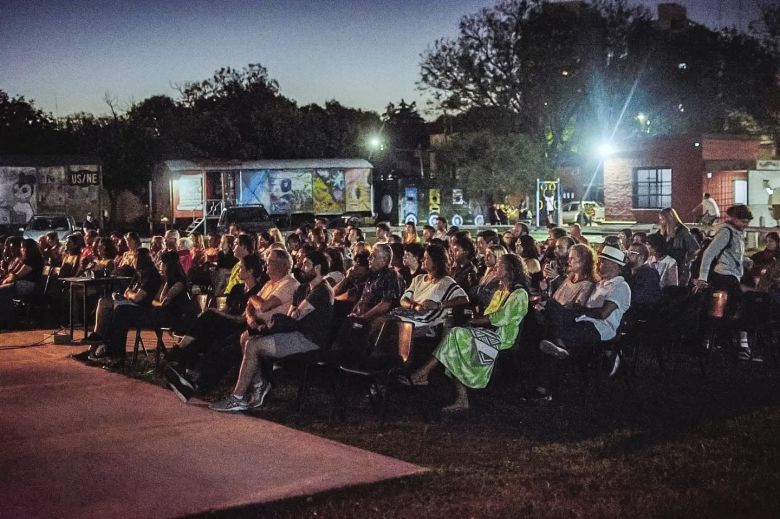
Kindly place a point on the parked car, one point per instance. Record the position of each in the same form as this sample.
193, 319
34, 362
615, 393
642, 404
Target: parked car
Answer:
41, 224
250, 218
583, 212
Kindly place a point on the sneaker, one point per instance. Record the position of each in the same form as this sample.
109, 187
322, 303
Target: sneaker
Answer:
98, 353
258, 395
230, 404
550, 348
744, 354
182, 387
615, 365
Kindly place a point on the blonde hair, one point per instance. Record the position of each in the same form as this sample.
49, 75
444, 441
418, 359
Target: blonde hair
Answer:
276, 234
497, 250
671, 222
196, 239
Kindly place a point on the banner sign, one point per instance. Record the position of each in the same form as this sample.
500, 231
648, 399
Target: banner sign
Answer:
84, 177
188, 196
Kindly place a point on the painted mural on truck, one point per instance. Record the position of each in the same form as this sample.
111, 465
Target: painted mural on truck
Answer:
26, 191
18, 202
254, 188
358, 186
328, 188
320, 191
291, 192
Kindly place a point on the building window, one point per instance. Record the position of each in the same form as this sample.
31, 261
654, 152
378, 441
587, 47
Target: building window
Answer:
740, 192
652, 188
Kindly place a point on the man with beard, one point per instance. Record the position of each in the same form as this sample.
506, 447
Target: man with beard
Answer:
305, 327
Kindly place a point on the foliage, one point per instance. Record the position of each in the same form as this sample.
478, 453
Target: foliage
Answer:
24, 129
404, 126
578, 73
493, 165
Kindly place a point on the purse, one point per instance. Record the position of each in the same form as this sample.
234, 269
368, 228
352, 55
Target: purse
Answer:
281, 323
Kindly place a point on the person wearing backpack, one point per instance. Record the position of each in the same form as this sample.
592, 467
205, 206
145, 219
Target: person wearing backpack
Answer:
721, 266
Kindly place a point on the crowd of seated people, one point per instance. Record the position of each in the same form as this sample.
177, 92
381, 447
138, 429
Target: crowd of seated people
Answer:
270, 296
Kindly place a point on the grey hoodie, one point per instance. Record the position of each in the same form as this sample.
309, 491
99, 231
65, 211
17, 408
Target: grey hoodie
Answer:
730, 262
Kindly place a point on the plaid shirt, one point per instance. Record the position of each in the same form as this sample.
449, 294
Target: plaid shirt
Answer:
382, 286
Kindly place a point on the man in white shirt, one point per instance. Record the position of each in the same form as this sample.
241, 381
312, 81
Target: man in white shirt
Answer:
586, 326
600, 318
441, 228
709, 210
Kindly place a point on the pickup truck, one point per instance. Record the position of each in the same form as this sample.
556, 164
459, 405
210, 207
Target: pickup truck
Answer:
41, 224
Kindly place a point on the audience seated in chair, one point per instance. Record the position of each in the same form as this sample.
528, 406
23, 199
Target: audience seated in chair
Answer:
468, 354
212, 325
429, 300
381, 292
304, 327
169, 309
581, 329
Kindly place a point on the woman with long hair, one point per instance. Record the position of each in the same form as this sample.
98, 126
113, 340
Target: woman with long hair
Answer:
20, 281
105, 257
462, 269
526, 248
680, 243
581, 277
430, 297
482, 294
764, 258
173, 307
143, 288
410, 234
469, 354
335, 266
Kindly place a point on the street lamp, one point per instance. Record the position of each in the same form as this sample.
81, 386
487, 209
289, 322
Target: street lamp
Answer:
606, 149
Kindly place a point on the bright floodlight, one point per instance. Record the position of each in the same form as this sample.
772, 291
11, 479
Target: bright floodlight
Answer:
642, 118
605, 150
375, 142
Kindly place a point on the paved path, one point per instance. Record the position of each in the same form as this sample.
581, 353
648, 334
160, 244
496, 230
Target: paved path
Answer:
82, 442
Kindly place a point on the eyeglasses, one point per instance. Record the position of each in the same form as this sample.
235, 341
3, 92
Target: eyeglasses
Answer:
632, 252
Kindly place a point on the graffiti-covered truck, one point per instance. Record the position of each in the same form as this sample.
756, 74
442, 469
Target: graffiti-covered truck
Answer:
197, 192
44, 185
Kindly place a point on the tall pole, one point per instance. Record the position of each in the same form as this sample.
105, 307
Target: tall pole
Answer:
151, 211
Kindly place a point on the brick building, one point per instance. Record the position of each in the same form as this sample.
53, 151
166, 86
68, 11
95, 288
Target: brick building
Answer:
648, 175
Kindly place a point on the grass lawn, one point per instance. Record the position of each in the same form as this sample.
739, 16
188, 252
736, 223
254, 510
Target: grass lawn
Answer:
672, 445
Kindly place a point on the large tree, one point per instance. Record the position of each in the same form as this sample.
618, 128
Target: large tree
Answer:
490, 166
25, 129
577, 73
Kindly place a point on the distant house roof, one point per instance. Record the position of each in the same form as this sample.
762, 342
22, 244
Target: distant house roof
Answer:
189, 165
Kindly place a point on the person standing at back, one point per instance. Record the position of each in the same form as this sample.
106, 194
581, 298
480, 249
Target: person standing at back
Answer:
680, 243
724, 256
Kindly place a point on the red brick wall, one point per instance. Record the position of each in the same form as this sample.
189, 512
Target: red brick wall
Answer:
721, 148
680, 154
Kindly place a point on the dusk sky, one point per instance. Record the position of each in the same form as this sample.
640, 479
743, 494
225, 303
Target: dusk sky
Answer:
66, 54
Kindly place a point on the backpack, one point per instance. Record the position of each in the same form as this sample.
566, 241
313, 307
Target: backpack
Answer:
696, 264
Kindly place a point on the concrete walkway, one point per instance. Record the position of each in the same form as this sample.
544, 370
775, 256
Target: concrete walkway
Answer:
82, 442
